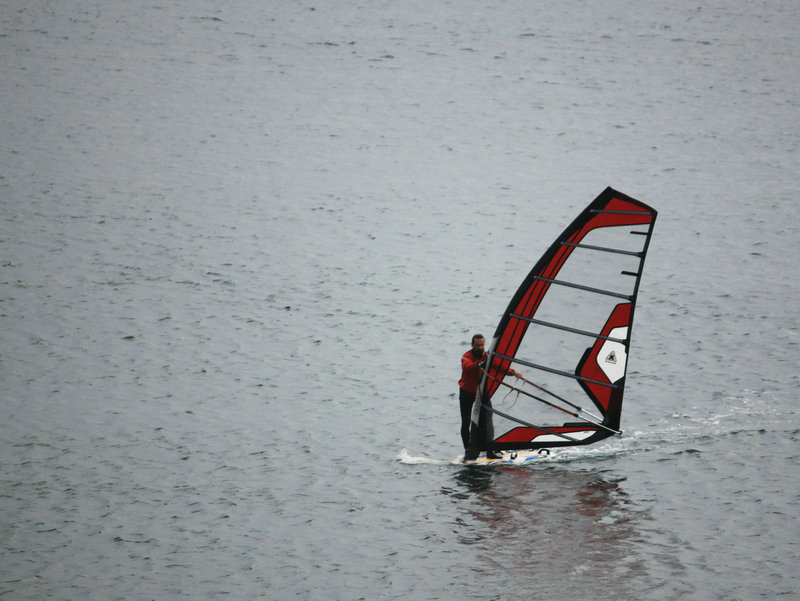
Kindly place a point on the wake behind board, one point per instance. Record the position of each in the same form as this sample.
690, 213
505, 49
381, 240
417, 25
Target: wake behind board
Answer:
518, 458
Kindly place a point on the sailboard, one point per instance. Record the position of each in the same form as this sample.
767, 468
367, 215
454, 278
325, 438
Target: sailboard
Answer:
504, 458
567, 330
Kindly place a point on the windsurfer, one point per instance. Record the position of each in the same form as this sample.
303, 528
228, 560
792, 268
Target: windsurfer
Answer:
471, 372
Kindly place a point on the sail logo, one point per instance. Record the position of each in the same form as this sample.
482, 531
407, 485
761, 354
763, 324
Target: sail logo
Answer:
612, 358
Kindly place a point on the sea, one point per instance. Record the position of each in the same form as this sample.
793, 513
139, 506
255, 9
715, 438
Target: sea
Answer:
244, 244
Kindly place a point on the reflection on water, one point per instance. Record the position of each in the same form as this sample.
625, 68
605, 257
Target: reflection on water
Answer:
581, 527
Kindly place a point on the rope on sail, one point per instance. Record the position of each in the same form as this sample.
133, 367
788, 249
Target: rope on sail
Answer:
595, 421
529, 425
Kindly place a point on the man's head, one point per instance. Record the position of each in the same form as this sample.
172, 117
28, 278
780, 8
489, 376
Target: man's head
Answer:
478, 345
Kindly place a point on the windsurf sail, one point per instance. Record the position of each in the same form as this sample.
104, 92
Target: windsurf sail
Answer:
567, 330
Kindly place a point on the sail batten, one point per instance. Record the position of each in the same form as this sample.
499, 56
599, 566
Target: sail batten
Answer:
604, 248
552, 370
612, 212
586, 288
580, 289
549, 324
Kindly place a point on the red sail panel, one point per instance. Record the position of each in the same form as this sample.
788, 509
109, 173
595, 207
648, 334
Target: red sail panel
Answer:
524, 435
606, 360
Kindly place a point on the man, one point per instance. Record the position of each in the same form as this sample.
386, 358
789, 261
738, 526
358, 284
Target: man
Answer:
471, 373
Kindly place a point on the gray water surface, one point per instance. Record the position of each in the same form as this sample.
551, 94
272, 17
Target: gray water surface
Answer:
243, 245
